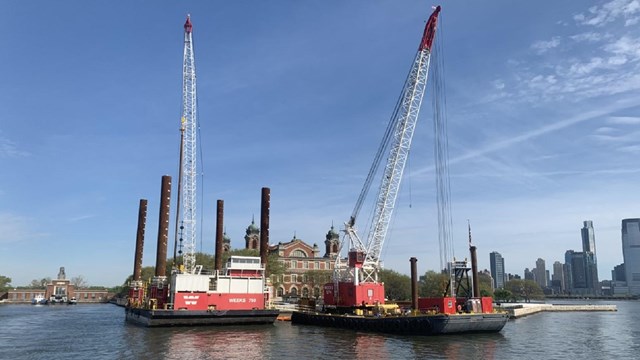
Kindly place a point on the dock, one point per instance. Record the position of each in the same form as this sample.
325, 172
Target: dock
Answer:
519, 310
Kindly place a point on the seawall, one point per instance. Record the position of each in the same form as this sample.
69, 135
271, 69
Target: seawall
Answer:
519, 310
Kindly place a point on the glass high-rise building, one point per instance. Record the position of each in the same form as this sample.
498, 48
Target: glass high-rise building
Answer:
590, 260
588, 237
557, 279
631, 254
497, 270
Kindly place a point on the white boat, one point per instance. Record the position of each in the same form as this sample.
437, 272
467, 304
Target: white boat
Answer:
39, 299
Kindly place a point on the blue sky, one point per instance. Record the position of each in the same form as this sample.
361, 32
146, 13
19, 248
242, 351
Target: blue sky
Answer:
542, 102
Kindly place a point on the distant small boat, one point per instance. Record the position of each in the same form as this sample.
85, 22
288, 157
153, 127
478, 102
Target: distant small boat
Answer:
72, 301
39, 300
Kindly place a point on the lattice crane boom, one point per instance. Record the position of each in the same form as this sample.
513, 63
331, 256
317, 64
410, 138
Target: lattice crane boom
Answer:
398, 139
188, 152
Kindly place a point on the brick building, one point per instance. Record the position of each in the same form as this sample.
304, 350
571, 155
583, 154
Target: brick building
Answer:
306, 269
59, 290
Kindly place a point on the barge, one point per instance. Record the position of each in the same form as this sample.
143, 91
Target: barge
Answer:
158, 318
190, 295
422, 324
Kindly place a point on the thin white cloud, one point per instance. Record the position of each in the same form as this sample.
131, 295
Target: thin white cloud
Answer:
634, 149
605, 130
580, 69
9, 149
516, 139
80, 218
541, 47
626, 46
608, 12
632, 21
623, 120
590, 36
15, 228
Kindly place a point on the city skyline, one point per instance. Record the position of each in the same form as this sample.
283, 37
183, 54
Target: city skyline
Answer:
541, 106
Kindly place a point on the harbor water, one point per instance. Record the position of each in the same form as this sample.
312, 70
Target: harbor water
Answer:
100, 332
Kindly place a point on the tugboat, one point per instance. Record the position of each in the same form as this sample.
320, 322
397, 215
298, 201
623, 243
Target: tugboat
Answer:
356, 298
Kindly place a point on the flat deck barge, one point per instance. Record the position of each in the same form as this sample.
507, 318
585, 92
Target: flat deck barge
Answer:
158, 318
436, 324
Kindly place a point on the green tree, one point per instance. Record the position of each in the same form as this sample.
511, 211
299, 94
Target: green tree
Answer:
524, 289
397, 287
484, 281
316, 278
5, 283
39, 284
503, 294
433, 284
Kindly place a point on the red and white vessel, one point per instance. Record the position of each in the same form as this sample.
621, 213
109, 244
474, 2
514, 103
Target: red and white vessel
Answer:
237, 295
234, 294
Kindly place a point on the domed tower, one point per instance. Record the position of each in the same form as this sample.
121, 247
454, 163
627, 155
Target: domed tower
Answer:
332, 243
252, 239
226, 242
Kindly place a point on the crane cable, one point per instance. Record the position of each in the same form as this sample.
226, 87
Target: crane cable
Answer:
382, 150
441, 144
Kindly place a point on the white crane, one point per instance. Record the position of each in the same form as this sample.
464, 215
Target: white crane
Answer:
364, 259
187, 176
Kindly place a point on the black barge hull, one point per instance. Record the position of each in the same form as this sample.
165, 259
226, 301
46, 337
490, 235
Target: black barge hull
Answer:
157, 318
408, 325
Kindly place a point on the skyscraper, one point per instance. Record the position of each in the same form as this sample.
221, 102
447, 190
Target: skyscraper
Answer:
590, 260
540, 273
576, 274
497, 269
631, 253
528, 275
588, 237
557, 279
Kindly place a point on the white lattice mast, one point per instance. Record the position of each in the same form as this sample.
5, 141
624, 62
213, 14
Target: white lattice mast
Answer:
398, 137
188, 153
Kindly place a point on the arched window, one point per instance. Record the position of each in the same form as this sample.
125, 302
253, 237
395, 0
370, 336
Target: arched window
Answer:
305, 292
280, 291
316, 292
294, 291
299, 253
